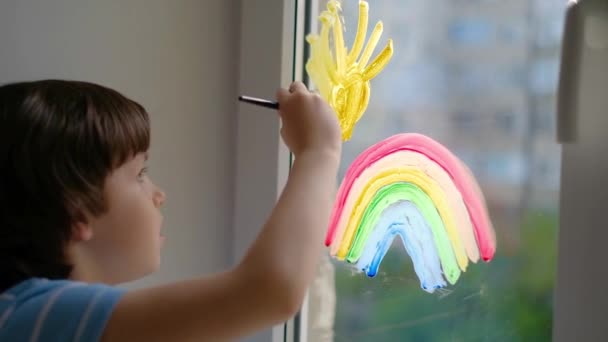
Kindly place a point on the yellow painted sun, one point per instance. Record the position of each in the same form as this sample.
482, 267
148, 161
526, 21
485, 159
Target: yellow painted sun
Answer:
342, 77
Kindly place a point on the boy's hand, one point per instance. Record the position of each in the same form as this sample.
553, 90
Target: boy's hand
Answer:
309, 124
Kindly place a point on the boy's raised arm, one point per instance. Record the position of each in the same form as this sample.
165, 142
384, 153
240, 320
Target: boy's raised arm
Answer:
268, 286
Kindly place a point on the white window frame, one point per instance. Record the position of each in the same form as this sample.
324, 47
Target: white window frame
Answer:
272, 37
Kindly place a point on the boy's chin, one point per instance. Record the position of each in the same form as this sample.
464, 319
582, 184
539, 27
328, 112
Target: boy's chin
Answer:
150, 270
153, 268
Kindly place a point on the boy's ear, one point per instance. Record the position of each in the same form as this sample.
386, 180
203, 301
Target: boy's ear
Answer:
82, 231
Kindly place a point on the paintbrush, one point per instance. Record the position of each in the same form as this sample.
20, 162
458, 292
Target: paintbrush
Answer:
259, 102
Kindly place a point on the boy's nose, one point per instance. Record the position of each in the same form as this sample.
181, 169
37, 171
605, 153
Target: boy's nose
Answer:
159, 198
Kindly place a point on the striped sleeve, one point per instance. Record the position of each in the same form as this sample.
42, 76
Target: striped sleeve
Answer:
79, 312
70, 312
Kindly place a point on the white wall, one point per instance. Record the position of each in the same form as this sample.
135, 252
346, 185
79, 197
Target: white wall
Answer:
179, 59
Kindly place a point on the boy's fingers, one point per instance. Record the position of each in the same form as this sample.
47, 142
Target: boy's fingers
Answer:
282, 94
297, 86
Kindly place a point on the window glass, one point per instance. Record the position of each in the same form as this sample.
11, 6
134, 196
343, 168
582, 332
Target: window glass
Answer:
480, 77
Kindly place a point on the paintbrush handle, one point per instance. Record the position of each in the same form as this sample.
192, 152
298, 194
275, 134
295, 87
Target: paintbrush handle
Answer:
259, 102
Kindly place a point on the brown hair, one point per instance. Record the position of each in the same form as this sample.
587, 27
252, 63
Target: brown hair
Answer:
59, 140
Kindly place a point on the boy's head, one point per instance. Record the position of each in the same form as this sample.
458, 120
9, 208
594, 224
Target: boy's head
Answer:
75, 201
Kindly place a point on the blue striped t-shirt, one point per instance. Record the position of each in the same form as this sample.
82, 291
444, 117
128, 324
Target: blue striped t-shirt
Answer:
41, 310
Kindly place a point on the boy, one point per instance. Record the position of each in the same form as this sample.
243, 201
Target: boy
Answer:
78, 214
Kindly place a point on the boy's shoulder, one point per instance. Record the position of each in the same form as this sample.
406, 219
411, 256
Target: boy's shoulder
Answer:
39, 309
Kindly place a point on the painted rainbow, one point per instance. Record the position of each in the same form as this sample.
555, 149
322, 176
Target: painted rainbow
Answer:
413, 187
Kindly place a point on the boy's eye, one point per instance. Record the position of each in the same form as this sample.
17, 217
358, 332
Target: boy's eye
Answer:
142, 174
